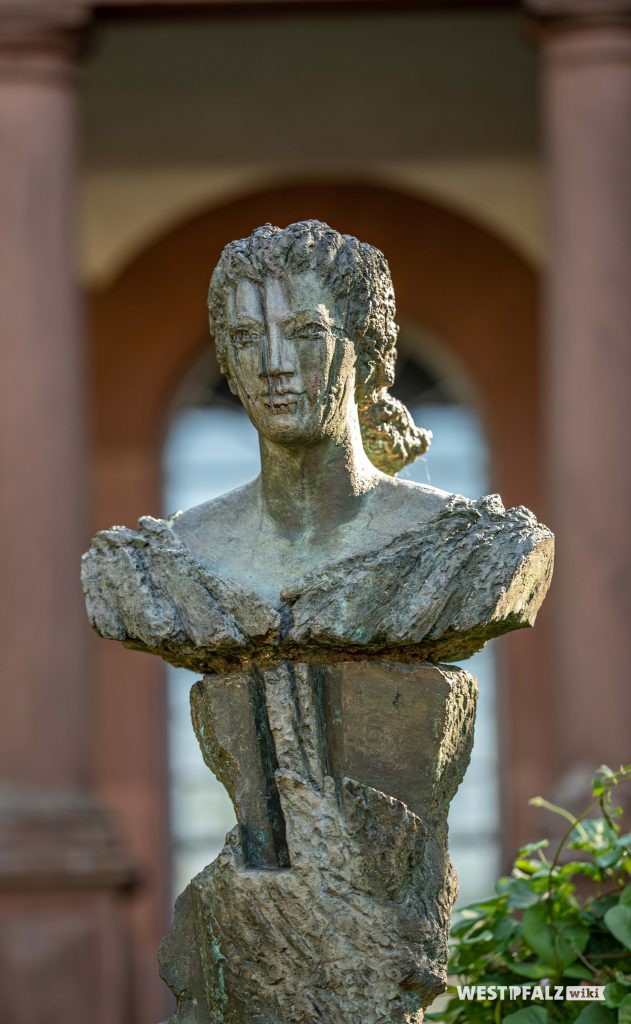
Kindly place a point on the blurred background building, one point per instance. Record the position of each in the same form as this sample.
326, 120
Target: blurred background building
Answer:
485, 147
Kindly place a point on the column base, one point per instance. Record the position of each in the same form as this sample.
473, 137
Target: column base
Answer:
63, 877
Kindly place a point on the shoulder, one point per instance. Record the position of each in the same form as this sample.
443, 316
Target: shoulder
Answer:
215, 517
410, 503
149, 589
460, 574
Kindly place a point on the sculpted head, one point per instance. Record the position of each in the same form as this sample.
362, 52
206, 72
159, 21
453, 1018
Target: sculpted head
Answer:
304, 324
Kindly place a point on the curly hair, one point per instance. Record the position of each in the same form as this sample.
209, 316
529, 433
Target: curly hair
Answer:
359, 278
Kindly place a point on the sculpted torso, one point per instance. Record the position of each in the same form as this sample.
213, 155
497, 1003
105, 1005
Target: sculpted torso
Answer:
273, 559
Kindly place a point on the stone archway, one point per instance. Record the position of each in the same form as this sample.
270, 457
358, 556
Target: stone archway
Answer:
470, 290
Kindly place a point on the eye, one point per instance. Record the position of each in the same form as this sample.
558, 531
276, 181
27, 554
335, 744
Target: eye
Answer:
242, 337
312, 330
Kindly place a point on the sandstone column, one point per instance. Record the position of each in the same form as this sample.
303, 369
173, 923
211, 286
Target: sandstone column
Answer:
60, 865
586, 85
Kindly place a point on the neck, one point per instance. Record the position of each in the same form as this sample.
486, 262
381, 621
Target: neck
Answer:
312, 489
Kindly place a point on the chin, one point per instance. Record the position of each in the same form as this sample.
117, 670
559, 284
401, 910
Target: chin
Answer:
291, 434
288, 428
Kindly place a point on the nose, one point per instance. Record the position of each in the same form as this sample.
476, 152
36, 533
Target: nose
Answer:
276, 354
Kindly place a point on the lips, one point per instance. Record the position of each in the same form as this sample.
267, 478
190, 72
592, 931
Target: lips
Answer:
285, 401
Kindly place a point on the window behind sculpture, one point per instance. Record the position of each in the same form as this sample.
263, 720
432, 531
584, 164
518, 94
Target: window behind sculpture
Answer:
211, 448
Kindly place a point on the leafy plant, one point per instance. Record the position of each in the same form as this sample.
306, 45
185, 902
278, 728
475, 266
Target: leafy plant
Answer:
555, 921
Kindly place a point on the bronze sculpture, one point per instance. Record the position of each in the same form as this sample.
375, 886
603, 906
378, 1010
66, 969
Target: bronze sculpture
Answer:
307, 598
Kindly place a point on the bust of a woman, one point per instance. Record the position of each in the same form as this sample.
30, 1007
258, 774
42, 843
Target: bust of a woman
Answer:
326, 553
318, 601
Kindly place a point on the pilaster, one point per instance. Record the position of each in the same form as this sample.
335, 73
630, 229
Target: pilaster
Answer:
63, 868
586, 107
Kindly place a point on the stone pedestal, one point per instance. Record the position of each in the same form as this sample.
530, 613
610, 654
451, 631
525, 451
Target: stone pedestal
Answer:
331, 899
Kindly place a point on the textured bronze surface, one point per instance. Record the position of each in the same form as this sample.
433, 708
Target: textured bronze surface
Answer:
312, 599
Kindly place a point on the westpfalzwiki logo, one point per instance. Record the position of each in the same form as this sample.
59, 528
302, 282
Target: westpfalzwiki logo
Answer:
544, 993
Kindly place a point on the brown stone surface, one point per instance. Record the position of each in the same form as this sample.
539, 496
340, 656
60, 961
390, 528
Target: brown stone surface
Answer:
586, 77
41, 384
63, 868
64, 876
52, 841
63, 957
592, 11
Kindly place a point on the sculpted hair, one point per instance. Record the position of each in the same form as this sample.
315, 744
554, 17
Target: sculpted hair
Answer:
359, 278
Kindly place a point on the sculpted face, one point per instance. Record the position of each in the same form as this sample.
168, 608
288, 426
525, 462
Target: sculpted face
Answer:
288, 358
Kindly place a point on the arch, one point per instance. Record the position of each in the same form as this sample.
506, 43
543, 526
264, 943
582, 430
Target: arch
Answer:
467, 286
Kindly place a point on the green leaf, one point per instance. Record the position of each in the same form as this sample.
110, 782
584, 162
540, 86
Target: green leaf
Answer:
597, 908
557, 940
535, 971
467, 920
607, 859
477, 937
521, 894
615, 993
579, 867
624, 1011
468, 927
504, 930
592, 834
596, 1013
526, 866
476, 911
530, 848
603, 778
578, 972
618, 921
540, 844
529, 1015
625, 897
471, 913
